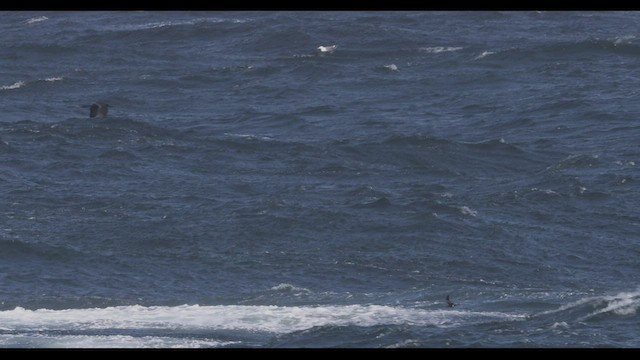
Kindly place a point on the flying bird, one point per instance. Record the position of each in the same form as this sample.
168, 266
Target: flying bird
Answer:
98, 110
449, 302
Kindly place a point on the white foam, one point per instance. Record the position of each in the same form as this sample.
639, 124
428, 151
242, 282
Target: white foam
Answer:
561, 324
392, 67
439, 49
484, 54
465, 210
52, 79
620, 304
161, 24
404, 344
106, 341
274, 319
289, 287
327, 49
626, 303
153, 25
37, 19
623, 40
15, 85
625, 163
546, 191
250, 136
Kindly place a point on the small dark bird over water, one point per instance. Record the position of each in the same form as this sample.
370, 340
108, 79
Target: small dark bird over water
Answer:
449, 302
99, 110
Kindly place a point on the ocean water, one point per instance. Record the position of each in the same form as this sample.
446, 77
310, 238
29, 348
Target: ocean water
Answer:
320, 179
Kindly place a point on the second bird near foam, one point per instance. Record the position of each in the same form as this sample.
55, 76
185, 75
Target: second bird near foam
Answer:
449, 302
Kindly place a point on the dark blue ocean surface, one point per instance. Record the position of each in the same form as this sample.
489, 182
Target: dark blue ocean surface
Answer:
320, 179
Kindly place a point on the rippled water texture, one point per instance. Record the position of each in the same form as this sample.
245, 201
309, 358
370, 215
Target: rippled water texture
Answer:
319, 179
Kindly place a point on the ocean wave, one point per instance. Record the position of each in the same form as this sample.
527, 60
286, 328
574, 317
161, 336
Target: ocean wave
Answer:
329, 49
15, 249
36, 19
465, 210
625, 45
16, 85
250, 137
392, 67
441, 49
374, 203
5, 147
288, 288
21, 84
484, 55
595, 307
106, 341
174, 23
266, 318
575, 161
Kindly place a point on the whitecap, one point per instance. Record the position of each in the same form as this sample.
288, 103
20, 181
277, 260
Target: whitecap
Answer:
392, 67
250, 136
289, 288
625, 163
484, 54
16, 85
262, 318
561, 324
52, 79
327, 49
439, 49
623, 40
161, 24
403, 344
626, 303
37, 19
107, 341
465, 210
620, 304
545, 191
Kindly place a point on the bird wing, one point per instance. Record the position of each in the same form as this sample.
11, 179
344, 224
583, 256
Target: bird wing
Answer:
93, 111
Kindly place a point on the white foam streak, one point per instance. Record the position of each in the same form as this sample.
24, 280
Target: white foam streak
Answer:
36, 20
274, 319
620, 304
290, 288
484, 54
439, 49
327, 49
392, 67
250, 136
623, 40
106, 341
15, 85
52, 79
161, 24
465, 210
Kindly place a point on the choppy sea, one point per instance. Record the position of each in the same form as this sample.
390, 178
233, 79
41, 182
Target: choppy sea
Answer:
320, 179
